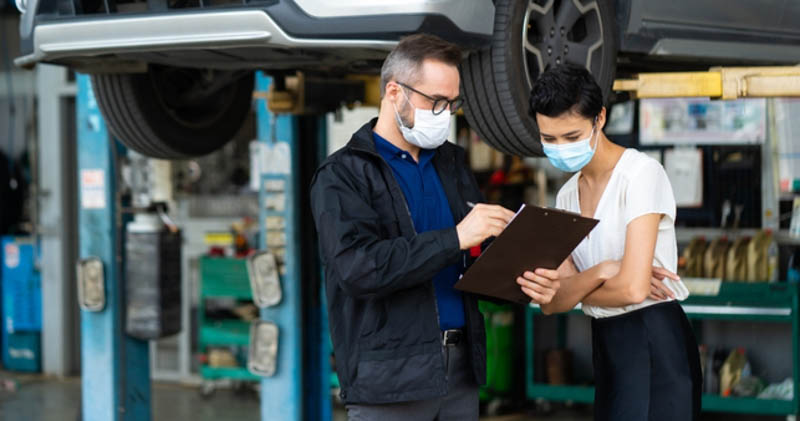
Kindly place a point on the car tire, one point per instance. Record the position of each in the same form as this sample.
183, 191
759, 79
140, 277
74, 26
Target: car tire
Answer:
174, 113
496, 81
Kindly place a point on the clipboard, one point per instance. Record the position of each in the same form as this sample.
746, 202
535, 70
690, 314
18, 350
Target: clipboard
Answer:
536, 238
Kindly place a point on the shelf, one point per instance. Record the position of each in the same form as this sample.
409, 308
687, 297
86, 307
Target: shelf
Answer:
711, 403
235, 373
721, 312
759, 302
229, 332
734, 313
685, 235
578, 394
224, 277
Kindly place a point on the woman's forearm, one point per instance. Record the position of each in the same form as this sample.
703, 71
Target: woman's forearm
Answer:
617, 291
574, 289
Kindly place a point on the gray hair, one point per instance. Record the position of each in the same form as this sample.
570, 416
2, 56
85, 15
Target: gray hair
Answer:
404, 62
399, 67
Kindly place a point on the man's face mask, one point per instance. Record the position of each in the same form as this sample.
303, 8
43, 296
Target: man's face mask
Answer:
429, 132
572, 157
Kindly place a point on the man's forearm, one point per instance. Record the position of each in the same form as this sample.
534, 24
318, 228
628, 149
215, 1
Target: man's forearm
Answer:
574, 289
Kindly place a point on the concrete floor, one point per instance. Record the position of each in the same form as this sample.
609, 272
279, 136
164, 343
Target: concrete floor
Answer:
38, 398
41, 399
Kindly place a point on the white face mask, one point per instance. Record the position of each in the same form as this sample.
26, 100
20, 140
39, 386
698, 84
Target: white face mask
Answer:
429, 132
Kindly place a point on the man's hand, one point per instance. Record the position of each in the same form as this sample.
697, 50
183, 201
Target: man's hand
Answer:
541, 286
482, 222
658, 291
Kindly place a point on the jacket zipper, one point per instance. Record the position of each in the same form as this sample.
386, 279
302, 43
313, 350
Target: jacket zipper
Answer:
432, 288
435, 301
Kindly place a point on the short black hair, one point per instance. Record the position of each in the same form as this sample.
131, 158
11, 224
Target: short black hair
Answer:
566, 88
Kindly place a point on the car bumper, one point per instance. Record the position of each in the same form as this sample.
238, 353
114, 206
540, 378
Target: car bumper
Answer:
215, 30
283, 25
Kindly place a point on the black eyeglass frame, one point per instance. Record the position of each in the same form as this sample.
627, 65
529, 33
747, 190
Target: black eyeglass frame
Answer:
453, 105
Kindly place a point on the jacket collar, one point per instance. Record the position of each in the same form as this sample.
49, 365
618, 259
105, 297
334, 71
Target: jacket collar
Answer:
444, 160
363, 141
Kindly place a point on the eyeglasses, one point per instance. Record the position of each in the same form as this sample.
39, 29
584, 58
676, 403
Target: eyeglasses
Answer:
439, 104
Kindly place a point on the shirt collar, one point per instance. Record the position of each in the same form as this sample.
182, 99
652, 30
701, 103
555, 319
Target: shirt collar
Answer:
389, 151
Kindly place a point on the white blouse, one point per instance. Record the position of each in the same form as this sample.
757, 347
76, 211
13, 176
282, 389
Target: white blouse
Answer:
638, 186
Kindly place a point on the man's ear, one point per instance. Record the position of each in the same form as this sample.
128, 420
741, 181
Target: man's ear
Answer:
392, 90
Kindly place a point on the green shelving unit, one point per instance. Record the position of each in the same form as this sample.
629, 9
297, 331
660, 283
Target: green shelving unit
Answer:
233, 373
223, 278
228, 332
767, 303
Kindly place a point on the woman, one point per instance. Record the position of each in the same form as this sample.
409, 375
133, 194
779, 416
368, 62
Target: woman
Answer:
645, 356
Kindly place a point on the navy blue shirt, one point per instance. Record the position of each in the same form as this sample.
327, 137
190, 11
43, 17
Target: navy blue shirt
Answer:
430, 211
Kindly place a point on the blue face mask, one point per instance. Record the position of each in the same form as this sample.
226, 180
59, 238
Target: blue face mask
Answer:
571, 157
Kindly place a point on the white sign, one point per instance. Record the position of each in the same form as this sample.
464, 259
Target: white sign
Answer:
12, 256
700, 121
93, 194
684, 167
266, 158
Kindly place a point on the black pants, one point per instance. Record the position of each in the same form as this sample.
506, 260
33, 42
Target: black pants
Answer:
646, 366
460, 404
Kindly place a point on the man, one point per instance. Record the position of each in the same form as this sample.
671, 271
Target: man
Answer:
395, 216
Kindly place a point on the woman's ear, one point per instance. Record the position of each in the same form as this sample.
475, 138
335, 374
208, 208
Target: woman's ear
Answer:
601, 119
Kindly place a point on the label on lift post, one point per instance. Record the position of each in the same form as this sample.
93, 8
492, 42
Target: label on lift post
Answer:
93, 195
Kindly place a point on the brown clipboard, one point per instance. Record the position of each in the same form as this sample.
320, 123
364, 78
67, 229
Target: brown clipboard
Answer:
536, 238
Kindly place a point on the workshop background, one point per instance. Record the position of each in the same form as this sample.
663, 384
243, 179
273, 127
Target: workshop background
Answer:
189, 287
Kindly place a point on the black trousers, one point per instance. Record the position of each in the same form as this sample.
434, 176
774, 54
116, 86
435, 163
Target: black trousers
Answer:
460, 404
646, 366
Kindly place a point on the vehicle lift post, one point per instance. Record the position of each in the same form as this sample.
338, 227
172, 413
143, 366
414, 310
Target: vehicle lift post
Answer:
300, 388
115, 367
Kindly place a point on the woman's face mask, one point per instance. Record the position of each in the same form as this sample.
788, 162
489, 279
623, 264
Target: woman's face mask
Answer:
573, 156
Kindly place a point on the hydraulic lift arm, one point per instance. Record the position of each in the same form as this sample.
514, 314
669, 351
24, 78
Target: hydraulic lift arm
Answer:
716, 83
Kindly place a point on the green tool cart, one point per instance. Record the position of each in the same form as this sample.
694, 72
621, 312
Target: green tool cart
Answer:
222, 277
763, 303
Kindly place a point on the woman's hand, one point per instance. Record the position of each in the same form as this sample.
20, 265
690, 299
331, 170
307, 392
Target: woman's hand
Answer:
659, 291
540, 285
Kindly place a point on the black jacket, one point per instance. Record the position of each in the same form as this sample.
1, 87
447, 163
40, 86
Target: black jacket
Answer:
378, 273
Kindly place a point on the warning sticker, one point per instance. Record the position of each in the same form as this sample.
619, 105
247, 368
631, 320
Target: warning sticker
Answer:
93, 195
11, 254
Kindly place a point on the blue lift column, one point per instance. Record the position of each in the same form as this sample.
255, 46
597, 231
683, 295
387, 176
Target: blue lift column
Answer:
300, 388
115, 367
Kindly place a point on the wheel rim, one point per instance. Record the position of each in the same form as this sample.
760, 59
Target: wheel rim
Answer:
561, 31
195, 98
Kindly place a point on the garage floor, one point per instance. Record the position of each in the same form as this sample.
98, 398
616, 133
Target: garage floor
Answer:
37, 398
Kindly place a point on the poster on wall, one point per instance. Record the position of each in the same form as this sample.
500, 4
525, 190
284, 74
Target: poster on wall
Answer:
684, 167
700, 121
787, 127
